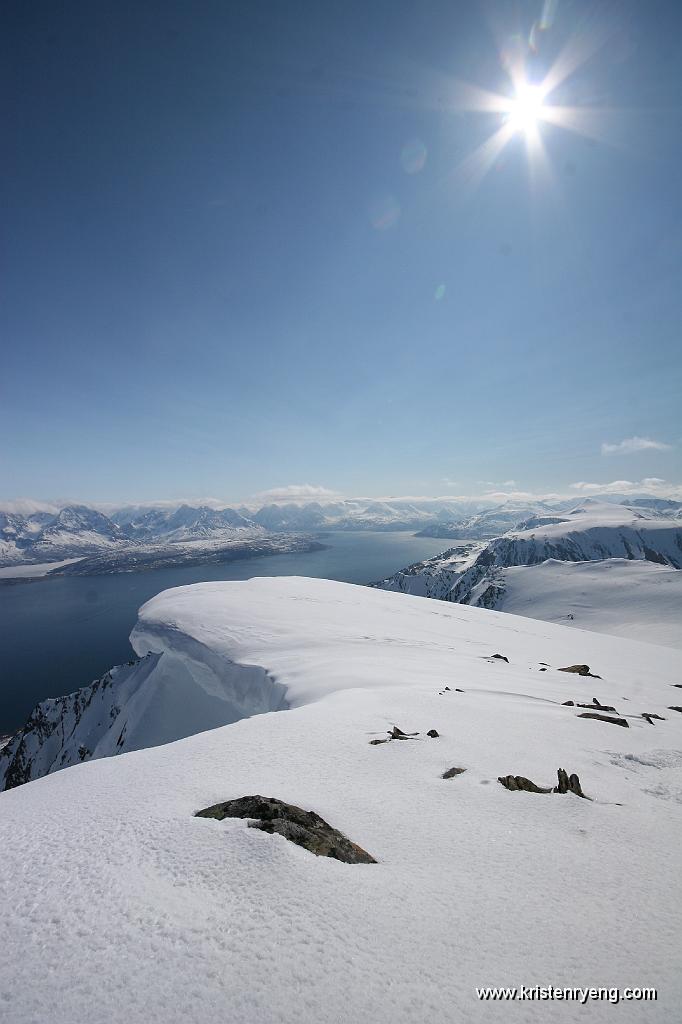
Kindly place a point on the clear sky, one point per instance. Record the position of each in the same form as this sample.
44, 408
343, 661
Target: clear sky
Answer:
248, 245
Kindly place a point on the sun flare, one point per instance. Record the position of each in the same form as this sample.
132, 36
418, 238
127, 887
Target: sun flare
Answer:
526, 109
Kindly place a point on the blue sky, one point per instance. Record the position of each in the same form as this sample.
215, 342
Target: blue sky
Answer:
246, 247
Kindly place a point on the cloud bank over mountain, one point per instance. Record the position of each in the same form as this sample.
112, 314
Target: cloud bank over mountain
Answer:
630, 445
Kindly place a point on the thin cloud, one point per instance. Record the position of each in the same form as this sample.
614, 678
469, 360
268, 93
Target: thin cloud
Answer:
298, 492
28, 506
630, 445
652, 485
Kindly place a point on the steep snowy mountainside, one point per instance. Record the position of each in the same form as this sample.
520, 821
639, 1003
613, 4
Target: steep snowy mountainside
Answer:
75, 528
119, 905
142, 704
591, 532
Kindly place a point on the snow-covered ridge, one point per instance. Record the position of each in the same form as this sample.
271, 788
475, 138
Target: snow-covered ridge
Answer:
119, 905
204, 663
594, 532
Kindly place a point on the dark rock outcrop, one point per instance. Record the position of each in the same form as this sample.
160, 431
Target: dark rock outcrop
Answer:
515, 783
566, 784
581, 670
304, 828
604, 718
395, 734
596, 706
452, 773
433, 734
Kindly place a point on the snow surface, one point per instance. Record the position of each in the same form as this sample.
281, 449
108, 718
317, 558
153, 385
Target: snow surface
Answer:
120, 906
635, 599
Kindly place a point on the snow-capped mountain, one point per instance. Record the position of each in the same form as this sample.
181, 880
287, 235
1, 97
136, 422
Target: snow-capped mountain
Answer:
108, 880
183, 523
493, 521
364, 514
664, 506
591, 532
73, 531
81, 540
291, 516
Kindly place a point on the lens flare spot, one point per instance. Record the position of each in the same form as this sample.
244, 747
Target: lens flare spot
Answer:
439, 293
413, 156
513, 54
384, 212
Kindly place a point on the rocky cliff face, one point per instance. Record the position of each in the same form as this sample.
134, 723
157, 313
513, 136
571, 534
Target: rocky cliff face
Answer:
62, 731
177, 688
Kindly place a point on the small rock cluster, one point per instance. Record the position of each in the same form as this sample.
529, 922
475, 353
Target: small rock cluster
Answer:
397, 734
566, 784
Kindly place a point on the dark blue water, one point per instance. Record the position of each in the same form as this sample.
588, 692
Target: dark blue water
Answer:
59, 634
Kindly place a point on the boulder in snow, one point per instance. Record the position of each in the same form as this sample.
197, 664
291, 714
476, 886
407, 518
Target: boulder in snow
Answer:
305, 828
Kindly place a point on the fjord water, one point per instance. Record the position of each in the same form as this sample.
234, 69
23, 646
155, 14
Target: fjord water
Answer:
59, 634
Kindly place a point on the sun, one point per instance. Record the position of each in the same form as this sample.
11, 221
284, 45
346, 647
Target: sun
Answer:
526, 108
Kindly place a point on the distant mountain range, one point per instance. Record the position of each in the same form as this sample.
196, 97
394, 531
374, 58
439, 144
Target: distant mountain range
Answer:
138, 536
81, 540
85, 540
525, 515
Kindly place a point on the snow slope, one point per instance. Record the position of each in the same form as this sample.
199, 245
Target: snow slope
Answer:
120, 906
639, 600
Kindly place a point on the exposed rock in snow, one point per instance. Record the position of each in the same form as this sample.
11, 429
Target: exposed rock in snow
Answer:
604, 718
120, 905
581, 670
305, 828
